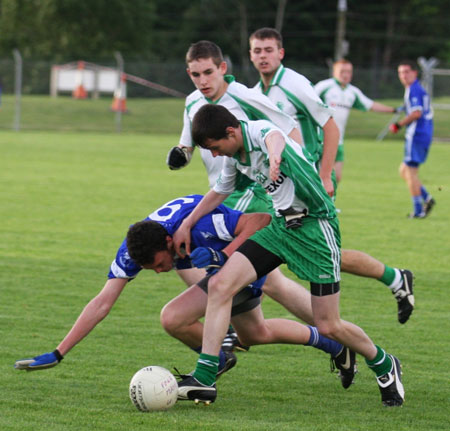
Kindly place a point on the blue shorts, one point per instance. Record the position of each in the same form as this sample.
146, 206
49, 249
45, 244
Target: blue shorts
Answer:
416, 150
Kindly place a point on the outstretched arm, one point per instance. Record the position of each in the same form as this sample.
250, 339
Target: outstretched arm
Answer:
379, 107
94, 312
275, 147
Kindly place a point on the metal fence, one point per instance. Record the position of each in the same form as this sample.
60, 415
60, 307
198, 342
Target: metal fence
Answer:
375, 82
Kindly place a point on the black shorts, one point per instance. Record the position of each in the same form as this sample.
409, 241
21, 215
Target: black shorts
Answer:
264, 261
243, 301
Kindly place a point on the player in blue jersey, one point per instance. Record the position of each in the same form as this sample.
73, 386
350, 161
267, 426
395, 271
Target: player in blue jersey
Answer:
418, 137
149, 245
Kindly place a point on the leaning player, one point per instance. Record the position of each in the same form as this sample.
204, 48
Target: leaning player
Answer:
149, 245
418, 137
207, 69
295, 94
304, 235
340, 94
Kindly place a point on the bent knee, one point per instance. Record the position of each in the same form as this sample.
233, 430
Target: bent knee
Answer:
329, 329
169, 319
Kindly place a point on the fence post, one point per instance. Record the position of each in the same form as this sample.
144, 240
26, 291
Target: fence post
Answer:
120, 67
17, 86
427, 67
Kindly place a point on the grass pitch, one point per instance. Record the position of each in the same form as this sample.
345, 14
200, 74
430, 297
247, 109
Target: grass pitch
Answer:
67, 201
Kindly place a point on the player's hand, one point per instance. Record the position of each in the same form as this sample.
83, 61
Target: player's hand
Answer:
328, 185
178, 158
399, 109
41, 362
275, 162
394, 127
182, 241
208, 257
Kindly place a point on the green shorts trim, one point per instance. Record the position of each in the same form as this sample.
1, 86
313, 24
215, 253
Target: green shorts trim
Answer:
340, 153
253, 199
312, 251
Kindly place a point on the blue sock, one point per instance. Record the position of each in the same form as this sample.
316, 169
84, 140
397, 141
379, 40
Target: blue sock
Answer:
222, 357
424, 193
417, 204
323, 343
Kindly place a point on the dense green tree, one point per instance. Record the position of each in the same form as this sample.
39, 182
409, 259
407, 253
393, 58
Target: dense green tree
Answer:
379, 32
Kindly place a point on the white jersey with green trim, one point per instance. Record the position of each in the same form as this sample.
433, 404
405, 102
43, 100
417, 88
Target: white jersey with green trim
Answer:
298, 187
294, 94
342, 99
245, 104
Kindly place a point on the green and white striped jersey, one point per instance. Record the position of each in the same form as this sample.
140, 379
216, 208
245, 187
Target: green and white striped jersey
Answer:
342, 99
298, 187
294, 94
245, 104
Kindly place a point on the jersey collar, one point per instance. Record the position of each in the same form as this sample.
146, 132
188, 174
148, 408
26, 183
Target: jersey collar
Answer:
228, 79
275, 79
340, 85
247, 143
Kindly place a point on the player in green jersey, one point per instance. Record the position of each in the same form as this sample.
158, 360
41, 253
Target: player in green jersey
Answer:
304, 235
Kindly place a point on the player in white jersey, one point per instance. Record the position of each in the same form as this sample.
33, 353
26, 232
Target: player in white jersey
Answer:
295, 95
207, 69
304, 235
338, 93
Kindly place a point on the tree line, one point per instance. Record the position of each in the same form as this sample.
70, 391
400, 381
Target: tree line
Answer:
378, 32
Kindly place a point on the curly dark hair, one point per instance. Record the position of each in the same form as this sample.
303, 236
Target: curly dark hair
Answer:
144, 240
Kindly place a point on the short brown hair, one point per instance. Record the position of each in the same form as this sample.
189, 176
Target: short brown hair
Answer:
409, 63
204, 49
342, 61
211, 122
267, 33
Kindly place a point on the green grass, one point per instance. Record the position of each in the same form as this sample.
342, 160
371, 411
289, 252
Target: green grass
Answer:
67, 201
162, 116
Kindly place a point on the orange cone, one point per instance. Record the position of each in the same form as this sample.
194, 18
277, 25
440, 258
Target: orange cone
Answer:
79, 92
120, 96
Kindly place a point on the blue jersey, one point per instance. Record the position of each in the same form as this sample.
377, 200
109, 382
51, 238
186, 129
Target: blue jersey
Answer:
215, 230
417, 99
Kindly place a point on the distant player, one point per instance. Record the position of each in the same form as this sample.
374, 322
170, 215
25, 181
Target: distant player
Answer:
294, 94
149, 245
338, 93
418, 137
304, 234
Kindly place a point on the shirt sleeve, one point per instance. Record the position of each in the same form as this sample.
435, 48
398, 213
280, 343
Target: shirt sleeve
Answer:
259, 107
123, 266
362, 102
303, 93
227, 179
185, 138
416, 99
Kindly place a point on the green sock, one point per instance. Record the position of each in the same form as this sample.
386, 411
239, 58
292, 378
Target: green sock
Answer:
388, 276
381, 364
206, 370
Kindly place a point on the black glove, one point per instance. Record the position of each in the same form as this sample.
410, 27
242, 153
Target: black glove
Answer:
178, 158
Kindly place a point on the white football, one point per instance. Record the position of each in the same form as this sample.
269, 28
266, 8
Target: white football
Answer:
153, 388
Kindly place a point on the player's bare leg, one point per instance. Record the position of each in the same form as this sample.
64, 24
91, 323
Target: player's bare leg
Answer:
291, 295
180, 317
